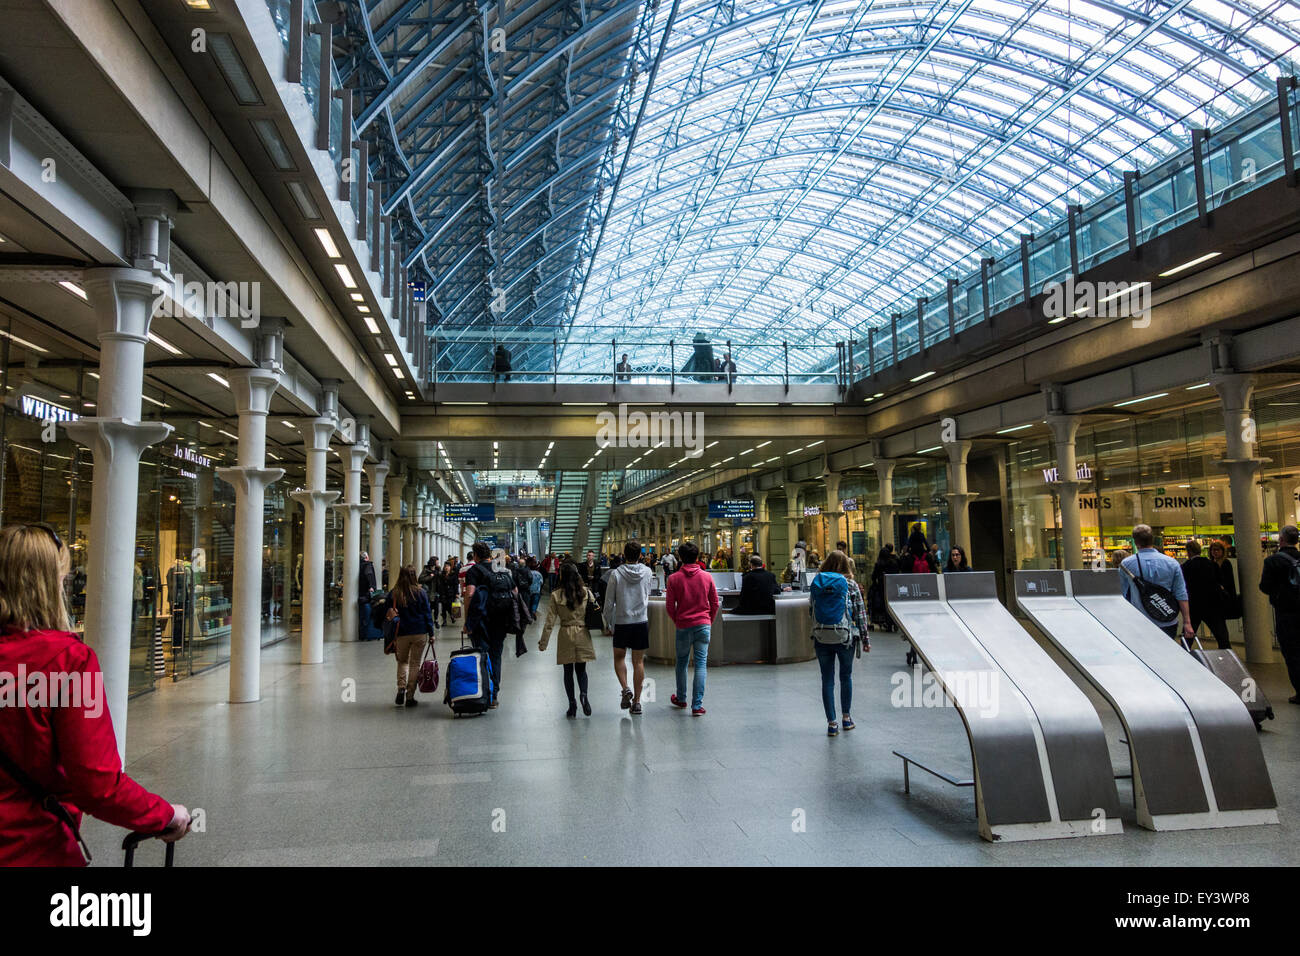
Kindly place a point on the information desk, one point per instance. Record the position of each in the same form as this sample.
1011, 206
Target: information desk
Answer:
782, 638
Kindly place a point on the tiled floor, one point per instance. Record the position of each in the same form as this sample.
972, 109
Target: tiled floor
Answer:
306, 777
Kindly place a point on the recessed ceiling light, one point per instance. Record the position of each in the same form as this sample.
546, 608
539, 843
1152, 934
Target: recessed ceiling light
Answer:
1005, 431
75, 289
161, 342
370, 325
218, 379
357, 297
1192, 388
391, 359
1146, 398
345, 274
1187, 265
922, 377
26, 344
326, 242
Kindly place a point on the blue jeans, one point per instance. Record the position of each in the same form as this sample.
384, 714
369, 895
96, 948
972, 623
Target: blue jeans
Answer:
536, 597
826, 656
693, 643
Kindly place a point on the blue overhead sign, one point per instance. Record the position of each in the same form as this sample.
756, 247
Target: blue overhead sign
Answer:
733, 508
457, 512
417, 290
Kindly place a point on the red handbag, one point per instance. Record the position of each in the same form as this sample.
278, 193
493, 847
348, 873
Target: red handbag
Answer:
428, 679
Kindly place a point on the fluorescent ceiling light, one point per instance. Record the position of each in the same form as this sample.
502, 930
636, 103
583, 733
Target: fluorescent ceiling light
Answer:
1188, 265
1016, 428
878, 395
25, 344
302, 199
326, 242
747, 451
582, 403
922, 376
711, 444
205, 424
795, 451
391, 359
232, 68
273, 143
397, 373
227, 434
75, 289
286, 423
363, 309
813, 444
154, 401
925, 451
370, 325
357, 297
161, 342
1192, 388
1059, 319
1134, 401
346, 275
218, 379
764, 444
758, 404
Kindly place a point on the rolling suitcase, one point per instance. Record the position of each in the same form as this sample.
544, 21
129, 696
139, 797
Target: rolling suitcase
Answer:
135, 839
469, 685
1225, 665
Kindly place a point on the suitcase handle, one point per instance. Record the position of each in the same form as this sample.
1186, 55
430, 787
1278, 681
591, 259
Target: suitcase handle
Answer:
135, 839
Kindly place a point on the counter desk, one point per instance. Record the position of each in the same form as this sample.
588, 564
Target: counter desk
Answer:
781, 638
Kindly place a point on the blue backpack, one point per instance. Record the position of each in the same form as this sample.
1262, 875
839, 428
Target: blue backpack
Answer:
830, 608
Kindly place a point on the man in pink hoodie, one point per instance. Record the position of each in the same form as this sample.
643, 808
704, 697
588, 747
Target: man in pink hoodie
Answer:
692, 604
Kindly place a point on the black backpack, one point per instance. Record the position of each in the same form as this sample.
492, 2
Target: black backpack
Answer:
500, 605
1158, 602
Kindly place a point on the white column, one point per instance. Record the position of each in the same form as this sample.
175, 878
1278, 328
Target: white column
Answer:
885, 477
1242, 467
253, 388
123, 304
832, 512
793, 515
409, 555
378, 476
761, 521
959, 496
1064, 430
395, 523
316, 434
352, 509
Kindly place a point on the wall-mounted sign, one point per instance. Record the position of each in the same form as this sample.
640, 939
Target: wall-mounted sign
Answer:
732, 508
848, 504
417, 290
461, 512
811, 511
38, 408
1082, 471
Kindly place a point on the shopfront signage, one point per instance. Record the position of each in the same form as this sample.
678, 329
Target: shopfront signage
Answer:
735, 509
1081, 471
462, 512
1090, 502
811, 511
188, 454
848, 504
46, 411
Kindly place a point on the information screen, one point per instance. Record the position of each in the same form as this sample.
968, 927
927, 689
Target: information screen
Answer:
458, 512
732, 508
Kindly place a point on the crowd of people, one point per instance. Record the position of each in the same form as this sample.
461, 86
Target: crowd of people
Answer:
61, 760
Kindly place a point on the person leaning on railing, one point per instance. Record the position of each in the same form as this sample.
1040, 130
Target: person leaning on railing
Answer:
58, 757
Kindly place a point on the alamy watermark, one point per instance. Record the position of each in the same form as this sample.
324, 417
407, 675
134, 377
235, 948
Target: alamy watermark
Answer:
1111, 300
40, 689
212, 300
638, 429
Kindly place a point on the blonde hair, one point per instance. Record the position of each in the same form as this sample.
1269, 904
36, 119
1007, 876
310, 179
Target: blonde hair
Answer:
836, 562
32, 569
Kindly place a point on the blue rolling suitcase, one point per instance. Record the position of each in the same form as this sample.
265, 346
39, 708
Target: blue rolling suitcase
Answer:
469, 687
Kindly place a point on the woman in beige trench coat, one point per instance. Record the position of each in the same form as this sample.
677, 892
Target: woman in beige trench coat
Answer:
568, 608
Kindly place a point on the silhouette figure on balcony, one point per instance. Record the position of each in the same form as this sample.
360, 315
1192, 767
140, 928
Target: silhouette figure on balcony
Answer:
501, 363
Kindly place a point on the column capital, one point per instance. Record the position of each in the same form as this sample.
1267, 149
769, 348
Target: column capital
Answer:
313, 499
958, 450
345, 507
316, 432
111, 438
1065, 428
253, 388
118, 295
1234, 389
245, 477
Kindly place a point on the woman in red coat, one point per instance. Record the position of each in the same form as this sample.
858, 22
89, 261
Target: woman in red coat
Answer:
55, 730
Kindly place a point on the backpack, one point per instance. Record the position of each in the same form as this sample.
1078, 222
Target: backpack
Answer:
500, 603
1158, 602
830, 607
920, 565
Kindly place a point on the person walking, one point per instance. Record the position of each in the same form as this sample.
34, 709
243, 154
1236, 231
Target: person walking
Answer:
1154, 574
1228, 582
59, 758
627, 618
1278, 581
692, 604
567, 608
429, 581
490, 613
448, 591
1206, 599
534, 585
839, 628
408, 604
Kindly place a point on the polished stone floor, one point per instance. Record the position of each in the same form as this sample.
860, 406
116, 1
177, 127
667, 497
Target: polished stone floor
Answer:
308, 777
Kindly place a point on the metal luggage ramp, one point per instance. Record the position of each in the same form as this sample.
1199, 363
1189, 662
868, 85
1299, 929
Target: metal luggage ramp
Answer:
1041, 764
1194, 749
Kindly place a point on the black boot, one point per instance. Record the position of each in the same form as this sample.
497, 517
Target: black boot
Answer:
586, 706
401, 698
573, 708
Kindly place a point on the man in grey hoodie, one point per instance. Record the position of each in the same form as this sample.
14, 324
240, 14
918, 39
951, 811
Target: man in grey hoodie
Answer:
627, 592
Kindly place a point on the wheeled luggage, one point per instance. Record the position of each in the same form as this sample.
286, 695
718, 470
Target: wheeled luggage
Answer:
470, 685
1225, 665
135, 839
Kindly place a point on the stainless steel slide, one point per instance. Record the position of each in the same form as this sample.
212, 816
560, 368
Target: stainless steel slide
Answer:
1195, 754
1041, 766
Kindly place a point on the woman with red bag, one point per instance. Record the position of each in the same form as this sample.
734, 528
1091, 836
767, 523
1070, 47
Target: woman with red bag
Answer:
408, 605
58, 755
